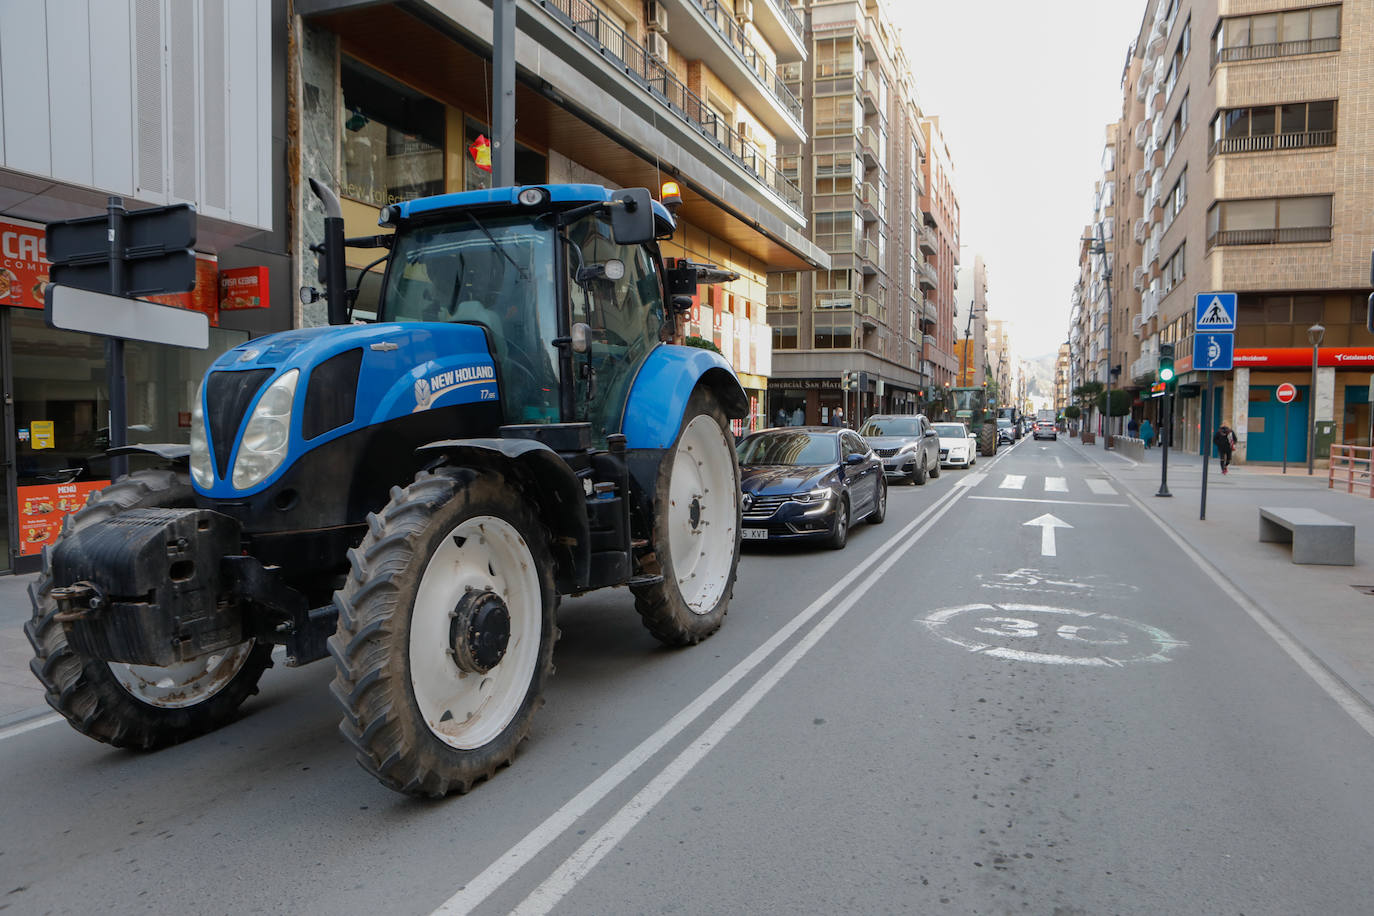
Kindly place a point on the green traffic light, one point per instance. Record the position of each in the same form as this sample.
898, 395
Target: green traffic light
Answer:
1166, 370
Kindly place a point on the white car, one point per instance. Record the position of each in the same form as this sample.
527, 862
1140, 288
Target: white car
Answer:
958, 447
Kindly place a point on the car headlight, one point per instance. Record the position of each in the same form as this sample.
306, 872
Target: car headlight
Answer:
202, 468
818, 495
267, 435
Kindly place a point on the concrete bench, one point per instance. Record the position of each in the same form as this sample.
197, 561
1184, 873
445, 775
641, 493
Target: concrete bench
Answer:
1317, 538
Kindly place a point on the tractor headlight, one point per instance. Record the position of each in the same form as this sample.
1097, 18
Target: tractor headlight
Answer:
202, 468
819, 495
267, 435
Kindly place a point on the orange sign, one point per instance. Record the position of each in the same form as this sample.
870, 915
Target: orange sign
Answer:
42, 509
205, 297
23, 265
243, 288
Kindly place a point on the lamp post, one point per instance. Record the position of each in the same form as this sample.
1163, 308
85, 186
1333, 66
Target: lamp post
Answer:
1314, 337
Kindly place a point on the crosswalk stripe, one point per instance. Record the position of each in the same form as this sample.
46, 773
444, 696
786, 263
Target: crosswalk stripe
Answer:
1012, 482
1101, 487
1056, 485
972, 480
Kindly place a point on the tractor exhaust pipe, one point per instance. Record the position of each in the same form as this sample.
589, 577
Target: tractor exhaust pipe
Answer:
331, 272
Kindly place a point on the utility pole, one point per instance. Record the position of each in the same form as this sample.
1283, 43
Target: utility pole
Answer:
503, 93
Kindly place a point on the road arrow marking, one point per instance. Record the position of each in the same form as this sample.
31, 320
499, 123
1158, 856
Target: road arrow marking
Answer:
1047, 524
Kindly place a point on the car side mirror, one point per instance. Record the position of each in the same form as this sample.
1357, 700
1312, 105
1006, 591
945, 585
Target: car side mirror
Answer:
854, 458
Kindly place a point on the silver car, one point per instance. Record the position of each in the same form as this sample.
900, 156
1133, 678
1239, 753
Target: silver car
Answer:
907, 445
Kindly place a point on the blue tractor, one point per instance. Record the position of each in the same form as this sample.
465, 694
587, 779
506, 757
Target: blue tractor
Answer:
412, 495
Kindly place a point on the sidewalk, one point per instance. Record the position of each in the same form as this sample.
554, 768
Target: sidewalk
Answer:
1319, 606
21, 696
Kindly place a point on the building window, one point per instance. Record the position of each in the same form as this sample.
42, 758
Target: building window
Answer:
1297, 125
784, 328
835, 173
834, 289
393, 139
836, 115
835, 57
784, 290
1269, 221
833, 330
1174, 269
1180, 55
1306, 31
837, 231
1178, 196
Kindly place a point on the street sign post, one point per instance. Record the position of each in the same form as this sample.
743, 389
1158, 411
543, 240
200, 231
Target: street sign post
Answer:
1213, 351
1285, 395
1214, 320
1215, 312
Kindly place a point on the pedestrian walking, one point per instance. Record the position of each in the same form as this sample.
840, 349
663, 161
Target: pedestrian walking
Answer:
837, 418
1225, 441
1133, 429
1147, 432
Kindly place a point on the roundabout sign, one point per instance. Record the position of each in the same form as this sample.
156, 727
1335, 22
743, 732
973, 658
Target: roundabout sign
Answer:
1050, 635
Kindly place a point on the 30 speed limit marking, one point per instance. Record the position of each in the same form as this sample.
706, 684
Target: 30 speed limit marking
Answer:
1050, 635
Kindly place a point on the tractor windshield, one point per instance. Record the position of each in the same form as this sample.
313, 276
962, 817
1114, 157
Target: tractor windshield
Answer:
969, 399
497, 273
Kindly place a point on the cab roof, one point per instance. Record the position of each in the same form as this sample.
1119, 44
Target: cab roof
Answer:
565, 195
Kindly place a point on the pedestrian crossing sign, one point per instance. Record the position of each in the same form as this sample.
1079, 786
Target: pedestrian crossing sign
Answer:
1215, 312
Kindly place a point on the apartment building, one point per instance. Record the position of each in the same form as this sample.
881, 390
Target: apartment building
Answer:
938, 240
1254, 180
393, 103
1003, 367
860, 168
970, 323
1062, 375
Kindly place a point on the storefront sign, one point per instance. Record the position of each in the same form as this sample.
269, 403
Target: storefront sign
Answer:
23, 265
42, 431
1301, 357
243, 288
205, 297
42, 509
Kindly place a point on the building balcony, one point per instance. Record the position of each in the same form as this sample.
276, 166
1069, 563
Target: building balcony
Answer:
1268, 142
868, 91
868, 202
930, 315
868, 146
1296, 235
780, 25
869, 310
1276, 49
867, 252
926, 239
707, 30
926, 276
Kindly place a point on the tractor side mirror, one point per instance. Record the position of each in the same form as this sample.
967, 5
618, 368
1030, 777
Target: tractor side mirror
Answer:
682, 303
632, 217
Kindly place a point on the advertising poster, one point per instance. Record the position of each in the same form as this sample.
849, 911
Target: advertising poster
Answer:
23, 265
243, 288
43, 434
42, 509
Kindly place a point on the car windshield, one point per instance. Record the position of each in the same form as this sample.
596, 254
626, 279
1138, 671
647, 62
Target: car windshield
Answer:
1003, 421
496, 273
951, 430
891, 426
795, 448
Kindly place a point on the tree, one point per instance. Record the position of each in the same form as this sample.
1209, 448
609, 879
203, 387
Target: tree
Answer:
700, 343
1087, 394
1073, 412
1121, 402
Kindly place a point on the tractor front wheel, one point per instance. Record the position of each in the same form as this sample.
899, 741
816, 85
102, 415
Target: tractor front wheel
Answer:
445, 634
136, 706
696, 529
987, 440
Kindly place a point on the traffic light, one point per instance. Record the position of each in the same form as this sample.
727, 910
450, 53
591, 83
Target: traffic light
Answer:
1166, 364
849, 381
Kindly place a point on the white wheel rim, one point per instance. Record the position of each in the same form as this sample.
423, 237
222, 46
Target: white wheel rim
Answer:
464, 709
187, 684
702, 501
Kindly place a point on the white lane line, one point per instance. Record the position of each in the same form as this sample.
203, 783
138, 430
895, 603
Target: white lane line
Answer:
29, 725
1101, 487
971, 480
1345, 697
533, 843
548, 894
1012, 482
1056, 485
1052, 502
1058, 462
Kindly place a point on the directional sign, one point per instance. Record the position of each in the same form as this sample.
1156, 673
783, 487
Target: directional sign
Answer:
1213, 352
1215, 312
1047, 523
1286, 393
155, 246
127, 319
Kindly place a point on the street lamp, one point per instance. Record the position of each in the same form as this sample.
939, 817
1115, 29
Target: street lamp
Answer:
1314, 337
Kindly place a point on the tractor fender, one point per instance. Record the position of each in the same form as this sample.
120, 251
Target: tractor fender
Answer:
550, 484
176, 453
661, 389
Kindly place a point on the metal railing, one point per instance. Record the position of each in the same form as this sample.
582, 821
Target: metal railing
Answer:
926, 274
1276, 49
724, 21
790, 17
926, 239
1266, 142
869, 306
1269, 236
1351, 465
654, 77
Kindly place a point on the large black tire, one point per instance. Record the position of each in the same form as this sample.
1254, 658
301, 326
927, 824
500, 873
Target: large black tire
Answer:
87, 691
935, 468
919, 472
388, 671
987, 440
673, 616
879, 513
839, 529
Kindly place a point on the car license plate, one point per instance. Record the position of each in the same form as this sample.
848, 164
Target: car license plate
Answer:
754, 534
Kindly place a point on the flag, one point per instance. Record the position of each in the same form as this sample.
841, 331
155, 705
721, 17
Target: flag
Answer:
481, 152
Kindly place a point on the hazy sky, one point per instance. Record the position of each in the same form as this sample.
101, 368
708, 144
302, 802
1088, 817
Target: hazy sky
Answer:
1024, 92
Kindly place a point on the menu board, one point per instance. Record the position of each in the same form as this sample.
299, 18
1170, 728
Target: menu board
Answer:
42, 509
23, 264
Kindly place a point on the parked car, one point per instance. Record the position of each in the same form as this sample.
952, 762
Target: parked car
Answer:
908, 446
1044, 429
809, 482
958, 446
1006, 431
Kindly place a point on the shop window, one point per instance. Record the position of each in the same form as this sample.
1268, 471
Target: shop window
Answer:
393, 139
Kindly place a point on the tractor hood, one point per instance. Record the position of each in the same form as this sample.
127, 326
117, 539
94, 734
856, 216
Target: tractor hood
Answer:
326, 383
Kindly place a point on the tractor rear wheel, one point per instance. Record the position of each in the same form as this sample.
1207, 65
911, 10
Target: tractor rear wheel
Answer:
136, 706
696, 529
987, 440
445, 634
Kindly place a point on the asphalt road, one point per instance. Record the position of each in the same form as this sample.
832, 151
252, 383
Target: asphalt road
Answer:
957, 713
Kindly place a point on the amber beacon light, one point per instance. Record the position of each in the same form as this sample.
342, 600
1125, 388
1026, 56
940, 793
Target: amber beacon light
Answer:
671, 196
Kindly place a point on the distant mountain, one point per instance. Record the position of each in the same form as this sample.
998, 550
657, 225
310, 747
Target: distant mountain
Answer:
1040, 378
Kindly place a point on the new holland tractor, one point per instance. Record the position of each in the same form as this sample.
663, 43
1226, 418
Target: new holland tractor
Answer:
971, 408
412, 495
